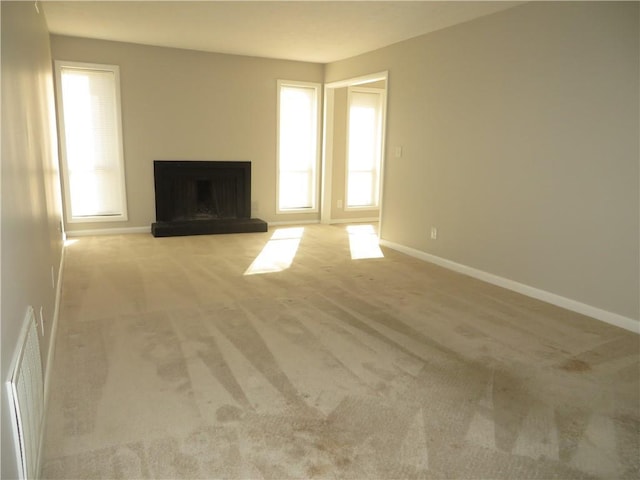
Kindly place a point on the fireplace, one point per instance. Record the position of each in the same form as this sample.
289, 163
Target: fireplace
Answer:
203, 197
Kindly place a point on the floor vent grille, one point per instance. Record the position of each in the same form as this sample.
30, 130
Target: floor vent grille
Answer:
26, 393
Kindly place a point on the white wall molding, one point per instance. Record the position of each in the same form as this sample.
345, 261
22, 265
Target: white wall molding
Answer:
124, 231
107, 231
292, 222
573, 305
354, 220
54, 328
51, 351
333, 221
372, 77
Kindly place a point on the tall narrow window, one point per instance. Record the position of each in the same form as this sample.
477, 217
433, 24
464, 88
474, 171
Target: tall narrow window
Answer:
91, 141
298, 153
364, 149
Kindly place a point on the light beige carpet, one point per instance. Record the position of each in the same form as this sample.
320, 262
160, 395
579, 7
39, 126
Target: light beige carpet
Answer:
172, 363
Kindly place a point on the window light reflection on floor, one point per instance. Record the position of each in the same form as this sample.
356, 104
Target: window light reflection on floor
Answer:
363, 242
278, 253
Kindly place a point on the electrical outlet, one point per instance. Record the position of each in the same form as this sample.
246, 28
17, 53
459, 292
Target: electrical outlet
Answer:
339, 203
434, 233
398, 152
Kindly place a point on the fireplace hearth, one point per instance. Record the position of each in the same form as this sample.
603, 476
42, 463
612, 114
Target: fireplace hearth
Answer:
203, 197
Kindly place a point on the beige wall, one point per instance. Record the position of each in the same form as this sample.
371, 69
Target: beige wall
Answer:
520, 144
339, 152
188, 105
31, 243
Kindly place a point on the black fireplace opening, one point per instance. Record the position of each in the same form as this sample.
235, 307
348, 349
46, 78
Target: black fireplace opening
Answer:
203, 197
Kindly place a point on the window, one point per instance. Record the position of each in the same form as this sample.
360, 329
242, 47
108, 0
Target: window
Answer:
91, 141
364, 147
298, 146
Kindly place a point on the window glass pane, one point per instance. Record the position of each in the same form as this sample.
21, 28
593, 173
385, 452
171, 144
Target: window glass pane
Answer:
297, 146
364, 148
96, 193
362, 138
294, 189
297, 128
360, 188
92, 145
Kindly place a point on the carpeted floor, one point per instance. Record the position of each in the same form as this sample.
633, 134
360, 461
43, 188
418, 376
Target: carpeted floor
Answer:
193, 357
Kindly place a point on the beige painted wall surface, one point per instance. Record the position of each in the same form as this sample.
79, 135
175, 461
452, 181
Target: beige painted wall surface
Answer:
31, 243
188, 105
339, 151
520, 144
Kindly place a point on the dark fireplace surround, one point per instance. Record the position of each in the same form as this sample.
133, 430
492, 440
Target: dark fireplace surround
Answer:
203, 197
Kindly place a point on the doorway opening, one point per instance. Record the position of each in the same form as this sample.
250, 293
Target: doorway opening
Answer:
353, 153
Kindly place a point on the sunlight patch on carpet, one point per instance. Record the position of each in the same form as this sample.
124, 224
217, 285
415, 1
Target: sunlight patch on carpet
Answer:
363, 242
278, 253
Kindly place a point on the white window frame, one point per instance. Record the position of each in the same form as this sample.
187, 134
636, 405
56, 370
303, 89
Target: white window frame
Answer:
316, 164
378, 171
115, 69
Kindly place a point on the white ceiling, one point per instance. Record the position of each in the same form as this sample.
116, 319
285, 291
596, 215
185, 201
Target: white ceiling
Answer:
312, 31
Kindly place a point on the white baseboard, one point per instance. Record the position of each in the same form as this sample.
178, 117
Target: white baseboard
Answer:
333, 221
573, 305
353, 220
107, 231
293, 222
54, 326
51, 353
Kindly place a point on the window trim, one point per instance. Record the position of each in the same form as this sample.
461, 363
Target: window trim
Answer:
316, 166
115, 69
378, 172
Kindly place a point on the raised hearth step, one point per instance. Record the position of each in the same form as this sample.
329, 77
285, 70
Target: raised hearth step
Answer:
208, 227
